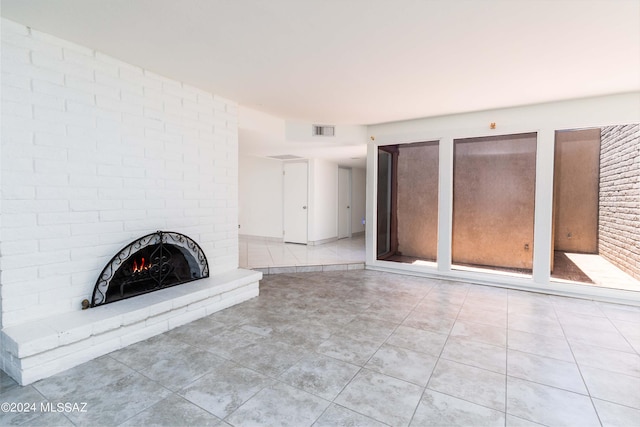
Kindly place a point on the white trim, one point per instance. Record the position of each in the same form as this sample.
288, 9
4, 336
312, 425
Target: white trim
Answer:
568, 289
322, 241
254, 238
445, 204
371, 214
543, 213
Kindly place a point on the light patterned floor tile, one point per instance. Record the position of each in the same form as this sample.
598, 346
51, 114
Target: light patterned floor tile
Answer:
469, 383
544, 370
279, 405
549, 405
407, 365
437, 409
381, 397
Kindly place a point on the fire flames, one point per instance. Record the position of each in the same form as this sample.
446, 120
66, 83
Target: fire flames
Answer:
139, 268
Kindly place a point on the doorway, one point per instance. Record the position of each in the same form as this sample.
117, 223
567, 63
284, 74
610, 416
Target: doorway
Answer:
295, 210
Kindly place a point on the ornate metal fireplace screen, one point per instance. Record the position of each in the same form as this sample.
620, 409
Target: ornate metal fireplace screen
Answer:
152, 262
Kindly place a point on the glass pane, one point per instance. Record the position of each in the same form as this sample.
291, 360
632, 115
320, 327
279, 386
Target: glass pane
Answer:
595, 210
417, 202
408, 203
384, 202
493, 202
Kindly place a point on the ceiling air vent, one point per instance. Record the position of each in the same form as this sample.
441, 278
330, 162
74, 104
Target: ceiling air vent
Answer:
324, 130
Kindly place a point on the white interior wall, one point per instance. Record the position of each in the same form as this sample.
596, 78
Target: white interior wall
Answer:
1, 228
543, 119
323, 200
260, 179
358, 199
260, 122
260, 197
571, 114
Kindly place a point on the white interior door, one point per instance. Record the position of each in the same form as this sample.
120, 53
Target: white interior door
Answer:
295, 202
344, 203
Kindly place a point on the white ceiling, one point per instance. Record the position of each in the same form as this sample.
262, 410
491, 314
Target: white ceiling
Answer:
363, 61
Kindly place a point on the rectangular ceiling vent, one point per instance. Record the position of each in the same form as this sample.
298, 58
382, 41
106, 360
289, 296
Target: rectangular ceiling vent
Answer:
324, 130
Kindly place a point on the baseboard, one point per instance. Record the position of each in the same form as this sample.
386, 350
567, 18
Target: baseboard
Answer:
260, 238
322, 242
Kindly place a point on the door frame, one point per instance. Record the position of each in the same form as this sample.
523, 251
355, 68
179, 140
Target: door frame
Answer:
284, 197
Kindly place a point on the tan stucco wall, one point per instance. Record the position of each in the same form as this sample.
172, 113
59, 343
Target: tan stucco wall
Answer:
493, 201
418, 200
576, 181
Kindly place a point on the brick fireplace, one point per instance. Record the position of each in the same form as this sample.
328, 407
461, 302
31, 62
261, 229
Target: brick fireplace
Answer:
156, 261
95, 153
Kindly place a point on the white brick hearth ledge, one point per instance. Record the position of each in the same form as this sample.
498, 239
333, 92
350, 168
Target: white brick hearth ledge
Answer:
44, 347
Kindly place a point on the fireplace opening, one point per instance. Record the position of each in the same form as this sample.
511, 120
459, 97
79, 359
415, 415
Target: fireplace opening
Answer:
152, 262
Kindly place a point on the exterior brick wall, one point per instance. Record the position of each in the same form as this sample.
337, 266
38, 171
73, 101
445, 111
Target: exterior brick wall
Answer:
619, 223
95, 153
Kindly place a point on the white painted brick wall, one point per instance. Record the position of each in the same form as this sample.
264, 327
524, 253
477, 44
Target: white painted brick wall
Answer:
95, 153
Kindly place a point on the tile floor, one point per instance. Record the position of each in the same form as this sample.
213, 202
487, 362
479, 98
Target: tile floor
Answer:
276, 257
364, 348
